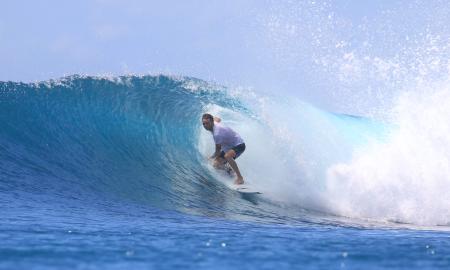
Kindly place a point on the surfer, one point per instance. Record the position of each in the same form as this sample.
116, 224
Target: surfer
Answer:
229, 145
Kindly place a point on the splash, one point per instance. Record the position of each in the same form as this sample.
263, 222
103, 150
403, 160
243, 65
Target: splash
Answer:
406, 178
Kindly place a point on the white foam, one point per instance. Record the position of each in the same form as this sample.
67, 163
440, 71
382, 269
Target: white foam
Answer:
406, 179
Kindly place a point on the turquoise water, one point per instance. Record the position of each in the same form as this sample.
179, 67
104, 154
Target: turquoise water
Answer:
110, 173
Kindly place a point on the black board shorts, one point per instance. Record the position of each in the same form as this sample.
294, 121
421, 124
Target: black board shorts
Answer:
238, 149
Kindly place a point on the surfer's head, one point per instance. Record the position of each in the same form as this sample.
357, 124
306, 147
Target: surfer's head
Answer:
208, 121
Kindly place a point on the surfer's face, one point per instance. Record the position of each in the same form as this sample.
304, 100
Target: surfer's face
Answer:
207, 124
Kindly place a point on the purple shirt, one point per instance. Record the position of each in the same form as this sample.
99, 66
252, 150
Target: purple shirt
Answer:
226, 137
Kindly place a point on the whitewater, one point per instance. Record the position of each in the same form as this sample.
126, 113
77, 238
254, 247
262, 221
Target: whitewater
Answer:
112, 172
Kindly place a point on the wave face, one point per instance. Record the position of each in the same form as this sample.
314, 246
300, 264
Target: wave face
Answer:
140, 139
129, 136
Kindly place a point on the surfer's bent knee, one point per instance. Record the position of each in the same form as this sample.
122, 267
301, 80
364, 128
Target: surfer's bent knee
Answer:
230, 155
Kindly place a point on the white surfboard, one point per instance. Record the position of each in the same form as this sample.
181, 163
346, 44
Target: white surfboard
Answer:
245, 189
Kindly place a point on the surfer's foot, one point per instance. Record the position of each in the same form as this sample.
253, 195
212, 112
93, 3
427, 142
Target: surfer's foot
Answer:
239, 181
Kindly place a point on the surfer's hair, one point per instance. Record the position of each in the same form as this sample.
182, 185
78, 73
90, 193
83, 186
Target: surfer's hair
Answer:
208, 116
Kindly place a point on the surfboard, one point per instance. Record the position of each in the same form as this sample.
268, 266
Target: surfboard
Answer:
245, 189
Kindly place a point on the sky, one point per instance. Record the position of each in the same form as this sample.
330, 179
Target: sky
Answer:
47, 39
301, 48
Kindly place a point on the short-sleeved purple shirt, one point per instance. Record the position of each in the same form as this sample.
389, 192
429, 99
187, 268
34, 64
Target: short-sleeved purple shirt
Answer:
226, 137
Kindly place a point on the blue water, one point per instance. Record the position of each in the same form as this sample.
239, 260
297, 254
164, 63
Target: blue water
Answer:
110, 173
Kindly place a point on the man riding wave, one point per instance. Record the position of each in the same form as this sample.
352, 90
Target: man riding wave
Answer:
229, 145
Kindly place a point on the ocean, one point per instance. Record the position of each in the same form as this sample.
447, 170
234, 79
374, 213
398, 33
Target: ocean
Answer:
112, 173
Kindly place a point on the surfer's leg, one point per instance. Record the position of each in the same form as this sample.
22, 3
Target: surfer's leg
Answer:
229, 156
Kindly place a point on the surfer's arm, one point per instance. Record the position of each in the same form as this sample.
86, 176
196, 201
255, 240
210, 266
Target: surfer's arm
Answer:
217, 152
217, 119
